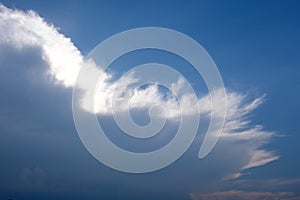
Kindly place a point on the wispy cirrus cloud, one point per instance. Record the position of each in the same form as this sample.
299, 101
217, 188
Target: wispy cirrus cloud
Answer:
273, 184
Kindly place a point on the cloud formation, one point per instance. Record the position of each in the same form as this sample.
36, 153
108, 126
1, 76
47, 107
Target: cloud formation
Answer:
243, 195
27, 29
46, 64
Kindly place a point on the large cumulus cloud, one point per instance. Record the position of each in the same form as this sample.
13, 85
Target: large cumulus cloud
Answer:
39, 66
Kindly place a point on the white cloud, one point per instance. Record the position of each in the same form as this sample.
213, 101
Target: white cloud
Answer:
238, 127
20, 30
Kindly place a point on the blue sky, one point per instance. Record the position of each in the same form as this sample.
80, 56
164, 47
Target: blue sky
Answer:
255, 45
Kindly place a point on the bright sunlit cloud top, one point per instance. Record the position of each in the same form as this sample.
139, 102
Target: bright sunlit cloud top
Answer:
22, 29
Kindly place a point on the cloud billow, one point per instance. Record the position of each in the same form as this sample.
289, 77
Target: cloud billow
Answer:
39, 67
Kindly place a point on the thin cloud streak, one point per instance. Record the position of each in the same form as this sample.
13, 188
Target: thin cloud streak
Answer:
244, 195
